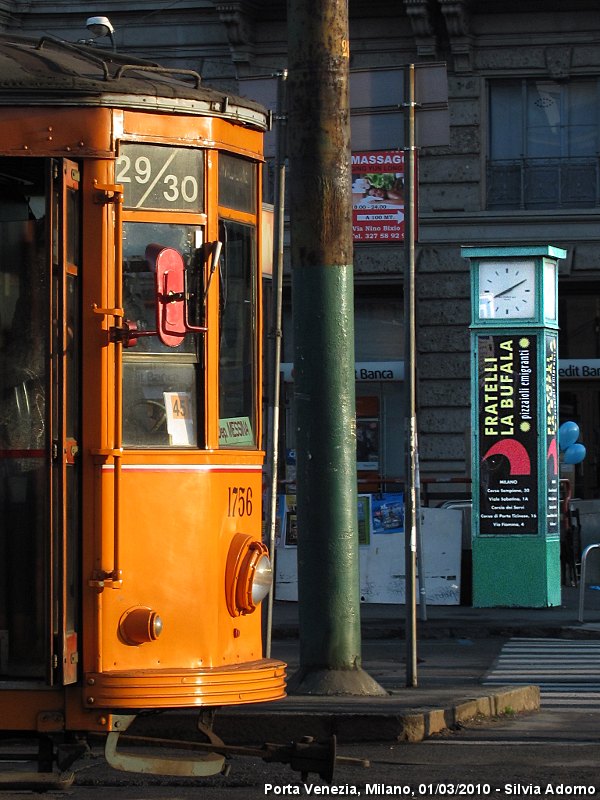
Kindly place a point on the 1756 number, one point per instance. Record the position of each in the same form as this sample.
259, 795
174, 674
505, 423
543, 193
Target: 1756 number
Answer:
239, 501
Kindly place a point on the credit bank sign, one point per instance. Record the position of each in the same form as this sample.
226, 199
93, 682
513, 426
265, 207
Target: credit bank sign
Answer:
572, 368
363, 371
579, 368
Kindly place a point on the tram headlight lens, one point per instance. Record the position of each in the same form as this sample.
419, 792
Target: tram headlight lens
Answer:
248, 574
156, 626
263, 578
139, 625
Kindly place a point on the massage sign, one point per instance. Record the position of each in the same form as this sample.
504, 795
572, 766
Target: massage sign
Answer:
508, 434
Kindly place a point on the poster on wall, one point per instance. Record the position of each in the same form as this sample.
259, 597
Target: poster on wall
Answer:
287, 520
508, 434
290, 471
387, 513
378, 196
367, 433
552, 496
279, 521
367, 443
291, 521
364, 519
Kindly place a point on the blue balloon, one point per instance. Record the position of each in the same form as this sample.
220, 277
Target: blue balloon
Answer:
568, 433
574, 454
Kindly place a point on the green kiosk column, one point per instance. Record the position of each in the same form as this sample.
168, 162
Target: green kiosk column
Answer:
514, 384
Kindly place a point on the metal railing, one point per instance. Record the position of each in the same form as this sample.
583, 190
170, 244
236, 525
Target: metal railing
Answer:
542, 183
584, 555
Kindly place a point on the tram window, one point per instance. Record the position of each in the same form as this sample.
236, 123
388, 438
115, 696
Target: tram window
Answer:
160, 405
237, 332
138, 279
161, 384
73, 224
237, 183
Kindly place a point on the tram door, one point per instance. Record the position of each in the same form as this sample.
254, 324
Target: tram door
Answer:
39, 267
66, 228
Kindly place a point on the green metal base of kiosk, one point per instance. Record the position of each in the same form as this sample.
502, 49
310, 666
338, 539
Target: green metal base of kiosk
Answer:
516, 571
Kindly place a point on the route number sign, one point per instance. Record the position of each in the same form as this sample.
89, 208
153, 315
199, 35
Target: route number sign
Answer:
160, 177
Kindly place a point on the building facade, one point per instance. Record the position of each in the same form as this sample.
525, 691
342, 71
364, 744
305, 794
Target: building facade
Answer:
522, 167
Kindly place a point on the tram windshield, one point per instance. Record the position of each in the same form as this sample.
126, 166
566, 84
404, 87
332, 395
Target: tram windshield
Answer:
237, 337
161, 384
163, 373
238, 306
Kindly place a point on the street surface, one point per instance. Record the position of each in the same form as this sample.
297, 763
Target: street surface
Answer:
515, 756
554, 753
567, 671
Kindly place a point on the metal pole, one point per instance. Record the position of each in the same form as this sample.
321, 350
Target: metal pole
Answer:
410, 499
274, 384
584, 556
420, 556
324, 382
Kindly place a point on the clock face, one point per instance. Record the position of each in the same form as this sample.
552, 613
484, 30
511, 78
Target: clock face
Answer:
506, 290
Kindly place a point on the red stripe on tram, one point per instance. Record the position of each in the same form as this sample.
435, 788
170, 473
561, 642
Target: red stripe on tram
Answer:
22, 453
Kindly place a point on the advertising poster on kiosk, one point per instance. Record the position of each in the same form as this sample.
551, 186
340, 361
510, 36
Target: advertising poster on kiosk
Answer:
552, 496
508, 434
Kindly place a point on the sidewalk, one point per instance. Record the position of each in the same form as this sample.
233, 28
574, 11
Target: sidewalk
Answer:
384, 621
456, 648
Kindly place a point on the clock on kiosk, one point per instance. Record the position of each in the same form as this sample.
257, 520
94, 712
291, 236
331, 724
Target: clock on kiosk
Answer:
514, 402
523, 289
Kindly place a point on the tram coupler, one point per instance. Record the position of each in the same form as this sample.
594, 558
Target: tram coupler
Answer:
305, 756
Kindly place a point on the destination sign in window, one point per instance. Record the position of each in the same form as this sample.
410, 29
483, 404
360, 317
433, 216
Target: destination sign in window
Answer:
160, 177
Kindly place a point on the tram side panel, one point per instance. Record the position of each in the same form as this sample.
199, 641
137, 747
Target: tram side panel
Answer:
175, 539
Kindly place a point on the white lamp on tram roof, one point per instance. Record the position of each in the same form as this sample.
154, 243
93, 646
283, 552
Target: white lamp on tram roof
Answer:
101, 26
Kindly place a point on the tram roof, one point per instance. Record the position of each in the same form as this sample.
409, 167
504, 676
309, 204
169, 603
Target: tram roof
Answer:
53, 72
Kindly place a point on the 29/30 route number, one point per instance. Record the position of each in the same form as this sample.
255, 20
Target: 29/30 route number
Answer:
160, 177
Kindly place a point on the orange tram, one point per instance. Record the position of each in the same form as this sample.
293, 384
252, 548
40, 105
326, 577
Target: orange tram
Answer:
131, 562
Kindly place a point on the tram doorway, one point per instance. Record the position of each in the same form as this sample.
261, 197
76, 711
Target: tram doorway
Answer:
39, 418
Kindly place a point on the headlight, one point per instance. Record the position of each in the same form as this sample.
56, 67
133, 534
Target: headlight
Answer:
263, 579
248, 574
139, 625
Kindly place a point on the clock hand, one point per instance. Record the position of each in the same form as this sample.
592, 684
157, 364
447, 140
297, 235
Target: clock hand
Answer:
510, 288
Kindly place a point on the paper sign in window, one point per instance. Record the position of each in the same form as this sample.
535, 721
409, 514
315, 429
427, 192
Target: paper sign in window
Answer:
180, 421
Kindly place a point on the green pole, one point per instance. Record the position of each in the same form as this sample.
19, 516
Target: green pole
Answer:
323, 308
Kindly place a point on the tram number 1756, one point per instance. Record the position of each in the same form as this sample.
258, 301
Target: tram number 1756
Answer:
239, 501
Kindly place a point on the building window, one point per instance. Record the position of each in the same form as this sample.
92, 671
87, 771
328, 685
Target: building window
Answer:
543, 145
579, 314
378, 327
376, 97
